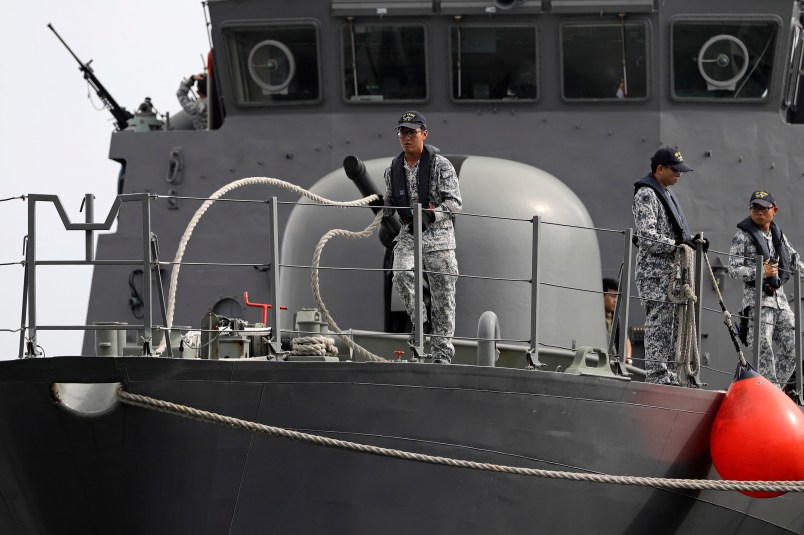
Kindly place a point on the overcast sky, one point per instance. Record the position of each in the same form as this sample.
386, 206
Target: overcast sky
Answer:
53, 141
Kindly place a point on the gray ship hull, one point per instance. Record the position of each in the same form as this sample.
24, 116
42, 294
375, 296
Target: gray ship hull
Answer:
140, 471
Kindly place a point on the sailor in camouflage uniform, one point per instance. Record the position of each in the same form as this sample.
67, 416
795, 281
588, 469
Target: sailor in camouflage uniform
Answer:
196, 108
661, 227
421, 175
758, 234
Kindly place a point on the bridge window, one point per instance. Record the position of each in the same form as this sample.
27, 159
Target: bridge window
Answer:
384, 62
274, 63
604, 61
494, 62
723, 60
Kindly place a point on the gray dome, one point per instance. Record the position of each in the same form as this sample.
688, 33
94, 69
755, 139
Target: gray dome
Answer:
486, 247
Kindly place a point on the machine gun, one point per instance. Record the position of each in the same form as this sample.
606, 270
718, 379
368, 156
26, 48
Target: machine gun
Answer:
121, 115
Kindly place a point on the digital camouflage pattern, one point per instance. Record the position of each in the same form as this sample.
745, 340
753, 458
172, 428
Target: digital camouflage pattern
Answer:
776, 316
444, 192
442, 294
655, 271
196, 108
438, 248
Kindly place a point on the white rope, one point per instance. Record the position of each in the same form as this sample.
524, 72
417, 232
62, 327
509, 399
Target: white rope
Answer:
686, 348
188, 232
253, 427
313, 345
319, 302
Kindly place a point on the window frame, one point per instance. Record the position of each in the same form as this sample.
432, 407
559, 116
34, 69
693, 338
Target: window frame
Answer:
507, 24
636, 21
346, 63
232, 26
727, 19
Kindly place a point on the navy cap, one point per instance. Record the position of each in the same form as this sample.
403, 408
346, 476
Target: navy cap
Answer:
762, 198
668, 156
412, 119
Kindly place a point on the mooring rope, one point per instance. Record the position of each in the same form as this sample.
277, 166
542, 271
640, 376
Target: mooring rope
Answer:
313, 345
686, 347
199, 213
319, 302
184, 411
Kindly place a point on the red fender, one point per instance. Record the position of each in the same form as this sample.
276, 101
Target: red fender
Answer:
758, 433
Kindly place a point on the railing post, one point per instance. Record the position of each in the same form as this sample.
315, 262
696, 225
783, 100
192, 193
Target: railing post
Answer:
699, 278
535, 280
147, 275
273, 278
624, 302
797, 324
30, 272
418, 307
758, 279
89, 217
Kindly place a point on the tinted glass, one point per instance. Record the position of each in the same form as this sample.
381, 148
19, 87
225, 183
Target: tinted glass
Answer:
494, 62
384, 62
604, 62
723, 60
274, 64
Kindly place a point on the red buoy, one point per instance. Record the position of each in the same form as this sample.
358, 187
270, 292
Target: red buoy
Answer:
758, 433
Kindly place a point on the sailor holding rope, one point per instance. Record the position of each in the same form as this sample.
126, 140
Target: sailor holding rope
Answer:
661, 228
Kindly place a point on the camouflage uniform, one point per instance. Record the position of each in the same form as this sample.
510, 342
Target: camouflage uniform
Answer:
776, 316
654, 273
438, 251
196, 108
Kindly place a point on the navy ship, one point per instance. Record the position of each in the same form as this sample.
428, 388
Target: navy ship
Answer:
549, 110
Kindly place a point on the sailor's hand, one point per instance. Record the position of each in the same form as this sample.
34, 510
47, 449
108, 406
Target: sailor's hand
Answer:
198, 77
771, 270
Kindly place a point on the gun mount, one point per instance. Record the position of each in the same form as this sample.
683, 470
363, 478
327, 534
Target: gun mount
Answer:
120, 114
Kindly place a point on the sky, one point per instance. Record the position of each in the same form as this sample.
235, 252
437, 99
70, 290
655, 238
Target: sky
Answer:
53, 140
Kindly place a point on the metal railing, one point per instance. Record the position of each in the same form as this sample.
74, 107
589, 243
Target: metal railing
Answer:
150, 264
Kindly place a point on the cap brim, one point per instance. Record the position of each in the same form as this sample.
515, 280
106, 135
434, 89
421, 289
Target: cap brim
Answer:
412, 126
682, 167
762, 202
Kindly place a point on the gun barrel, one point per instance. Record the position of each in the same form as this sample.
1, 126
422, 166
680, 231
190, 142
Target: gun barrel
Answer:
70, 50
120, 114
356, 170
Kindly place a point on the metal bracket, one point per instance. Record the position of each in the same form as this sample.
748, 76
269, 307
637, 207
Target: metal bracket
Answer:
603, 368
533, 364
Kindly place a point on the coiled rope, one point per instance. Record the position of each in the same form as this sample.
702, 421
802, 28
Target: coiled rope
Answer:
313, 345
253, 427
688, 357
250, 181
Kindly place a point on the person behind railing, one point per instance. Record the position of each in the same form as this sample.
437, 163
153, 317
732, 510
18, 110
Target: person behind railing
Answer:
421, 175
660, 227
610, 295
759, 234
196, 108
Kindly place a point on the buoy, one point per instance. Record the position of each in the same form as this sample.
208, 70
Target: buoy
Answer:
758, 433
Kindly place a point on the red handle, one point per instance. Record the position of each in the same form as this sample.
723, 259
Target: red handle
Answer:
263, 306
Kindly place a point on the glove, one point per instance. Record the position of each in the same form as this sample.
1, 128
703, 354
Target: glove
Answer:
703, 241
428, 217
689, 242
379, 203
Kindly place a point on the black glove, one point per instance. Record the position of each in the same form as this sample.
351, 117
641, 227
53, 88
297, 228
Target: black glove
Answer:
703, 241
428, 217
689, 242
379, 203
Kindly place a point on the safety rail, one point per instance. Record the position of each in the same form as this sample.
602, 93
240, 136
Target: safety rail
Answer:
151, 262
